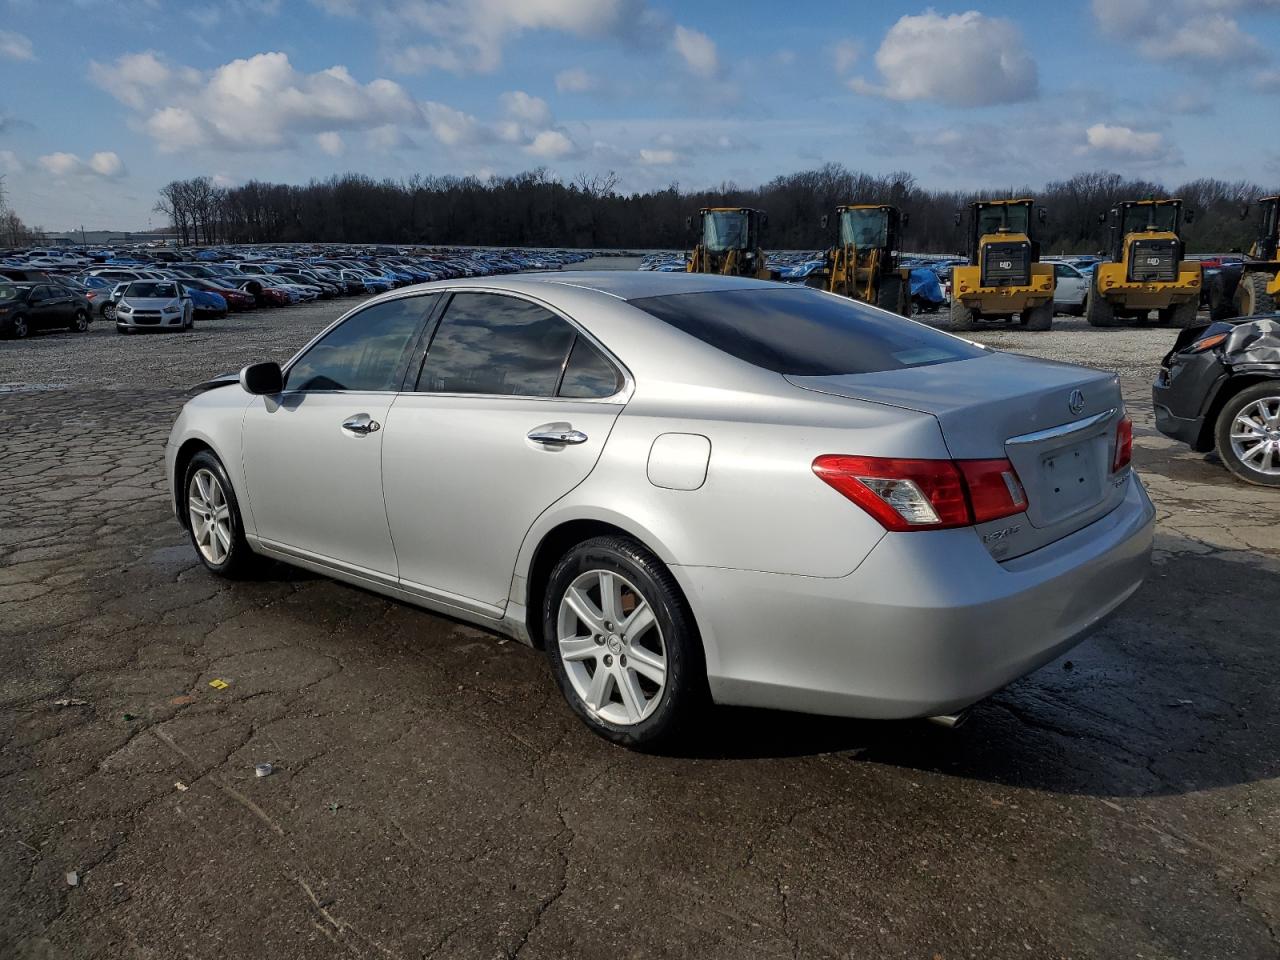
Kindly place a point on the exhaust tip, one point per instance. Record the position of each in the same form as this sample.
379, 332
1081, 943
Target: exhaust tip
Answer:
951, 720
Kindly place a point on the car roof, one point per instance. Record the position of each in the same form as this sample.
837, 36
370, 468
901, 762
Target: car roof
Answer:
632, 284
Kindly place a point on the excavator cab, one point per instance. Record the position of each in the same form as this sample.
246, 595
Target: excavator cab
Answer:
864, 263
1004, 276
1147, 270
729, 242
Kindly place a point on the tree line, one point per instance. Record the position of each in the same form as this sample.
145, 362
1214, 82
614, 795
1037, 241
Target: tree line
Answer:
13, 232
537, 209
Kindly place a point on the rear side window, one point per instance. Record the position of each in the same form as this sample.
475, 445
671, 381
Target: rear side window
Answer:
493, 344
588, 374
803, 332
365, 352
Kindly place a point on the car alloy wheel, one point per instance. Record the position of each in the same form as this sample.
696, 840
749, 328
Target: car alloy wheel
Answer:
1255, 436
209, 515
612, 647
19, 327
81, 323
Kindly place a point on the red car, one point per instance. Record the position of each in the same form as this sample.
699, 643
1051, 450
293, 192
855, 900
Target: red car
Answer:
264, 295
236, 299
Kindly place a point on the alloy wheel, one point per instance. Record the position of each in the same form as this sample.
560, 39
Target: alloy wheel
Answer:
1255, 436
20, 328
612, 647
210, 516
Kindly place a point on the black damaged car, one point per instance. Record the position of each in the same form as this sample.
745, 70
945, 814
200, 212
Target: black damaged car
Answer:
1219, 389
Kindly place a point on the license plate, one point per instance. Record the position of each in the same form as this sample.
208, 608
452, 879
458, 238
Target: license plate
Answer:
1070, 480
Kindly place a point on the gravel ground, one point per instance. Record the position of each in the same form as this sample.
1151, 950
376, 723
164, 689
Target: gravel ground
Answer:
433, 797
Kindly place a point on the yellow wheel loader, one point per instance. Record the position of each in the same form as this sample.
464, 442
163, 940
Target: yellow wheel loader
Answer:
864, 263
1004, 276
1251, 287
729, 242
1146, 271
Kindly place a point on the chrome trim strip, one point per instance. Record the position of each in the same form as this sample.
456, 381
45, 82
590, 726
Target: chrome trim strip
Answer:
1065, 430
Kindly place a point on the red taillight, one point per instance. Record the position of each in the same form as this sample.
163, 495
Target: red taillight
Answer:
925, 494
994, 489
1124, 444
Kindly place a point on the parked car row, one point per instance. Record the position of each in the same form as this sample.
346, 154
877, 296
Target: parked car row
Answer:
217, 281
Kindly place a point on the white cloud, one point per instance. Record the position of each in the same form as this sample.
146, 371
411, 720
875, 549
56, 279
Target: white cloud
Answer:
844, 54
520, 106
330, 141
659, 158
1213, 39
14, 46
255, 103
469, 36
105, 164
135, 78
962, 60
1196, 33
575, 80
551, 145
697, 50
1123, 143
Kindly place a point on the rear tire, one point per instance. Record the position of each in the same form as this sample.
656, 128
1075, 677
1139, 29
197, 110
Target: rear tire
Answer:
1248, 405
596, 590
1038, 318
80, 323
1251, 295
213, 520
1180, 315
1098, 311
962, 317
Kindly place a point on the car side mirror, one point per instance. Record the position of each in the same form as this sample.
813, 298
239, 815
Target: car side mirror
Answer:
1102, 217
262, 379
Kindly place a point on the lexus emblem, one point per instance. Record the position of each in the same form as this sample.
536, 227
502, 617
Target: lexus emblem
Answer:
1075, 402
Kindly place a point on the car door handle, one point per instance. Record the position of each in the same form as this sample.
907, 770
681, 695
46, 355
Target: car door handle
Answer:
555, 434
361, 425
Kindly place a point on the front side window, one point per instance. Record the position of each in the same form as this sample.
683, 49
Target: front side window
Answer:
366, 352
804, 332
493, 344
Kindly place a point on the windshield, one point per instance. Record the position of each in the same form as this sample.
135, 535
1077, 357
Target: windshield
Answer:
864, 228
150, 290
727, 230
992, 218
804, 332
1160, 216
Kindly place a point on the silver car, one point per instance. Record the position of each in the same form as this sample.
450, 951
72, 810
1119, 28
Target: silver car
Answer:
153, 305
685, 487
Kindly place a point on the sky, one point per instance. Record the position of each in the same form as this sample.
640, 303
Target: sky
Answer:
104, 101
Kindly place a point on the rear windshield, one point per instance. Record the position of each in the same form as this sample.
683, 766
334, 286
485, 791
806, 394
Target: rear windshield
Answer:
804, 332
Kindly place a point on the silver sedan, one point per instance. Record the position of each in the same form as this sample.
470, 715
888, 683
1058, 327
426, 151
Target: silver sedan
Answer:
684, 488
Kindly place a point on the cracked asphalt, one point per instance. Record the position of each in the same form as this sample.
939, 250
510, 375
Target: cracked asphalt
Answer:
433, 797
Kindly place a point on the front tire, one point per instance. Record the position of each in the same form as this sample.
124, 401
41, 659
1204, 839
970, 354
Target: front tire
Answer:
1180, 315
19, 328
80, 323
1247, 434
213, 518
622, 642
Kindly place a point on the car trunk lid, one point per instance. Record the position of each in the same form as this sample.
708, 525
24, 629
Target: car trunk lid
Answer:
1055, 422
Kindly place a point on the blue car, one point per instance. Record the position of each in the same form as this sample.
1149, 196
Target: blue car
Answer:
206, 303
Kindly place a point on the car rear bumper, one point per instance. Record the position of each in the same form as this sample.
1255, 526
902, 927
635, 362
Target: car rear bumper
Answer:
928, 624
